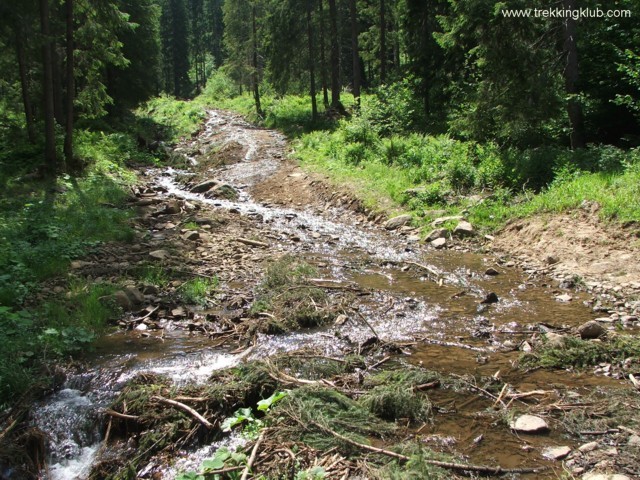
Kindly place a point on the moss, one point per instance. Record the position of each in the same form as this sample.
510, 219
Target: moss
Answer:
397, 401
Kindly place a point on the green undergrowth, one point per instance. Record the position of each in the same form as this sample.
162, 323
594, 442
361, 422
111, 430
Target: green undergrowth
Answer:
44, 226
288, 299
578, 353
382, 152
196, 291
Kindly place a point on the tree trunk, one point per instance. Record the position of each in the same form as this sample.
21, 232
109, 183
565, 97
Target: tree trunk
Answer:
24, 85
383, 43
58, 97
355, 51
254, 75
335, 57
571, 74
49, 120
68, 138
312, 70
323, 58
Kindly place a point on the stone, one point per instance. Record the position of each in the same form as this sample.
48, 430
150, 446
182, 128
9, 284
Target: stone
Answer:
149, 289
604, 476
159, 254
564, 298
588, 447
76, 264
142, 327
491, 297
397, 222
550, 260
191, 236
178, 312
222, 191
205, 186
171, 208
555, 340
436, 234
556, 453
122, 300
440, 220
439, 242
529, 424
492, 272
634, 441
134, 295
590, 330
463, 229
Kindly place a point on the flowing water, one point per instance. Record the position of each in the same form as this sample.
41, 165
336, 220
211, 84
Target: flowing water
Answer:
449, 331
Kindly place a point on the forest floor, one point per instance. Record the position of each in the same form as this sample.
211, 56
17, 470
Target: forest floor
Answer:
395, 356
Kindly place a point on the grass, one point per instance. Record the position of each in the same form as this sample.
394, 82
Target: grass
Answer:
577, 353
288, 299
197, 290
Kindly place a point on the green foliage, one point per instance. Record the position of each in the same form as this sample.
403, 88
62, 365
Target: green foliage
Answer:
172, 118
197, 290
223, 458
577, 353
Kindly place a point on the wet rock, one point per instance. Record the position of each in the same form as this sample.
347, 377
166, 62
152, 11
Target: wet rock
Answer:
529, 424
191, 236
463, 229
491, 272
159, 254
590, 330
205, 186
397, 222
149, 289
491, 297
171, 208
567, 283
141, 327
222, 191
436, 234
604, 476
439, 242
556, 453
564, 298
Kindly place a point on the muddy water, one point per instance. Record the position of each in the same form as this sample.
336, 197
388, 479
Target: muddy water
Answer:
440, 316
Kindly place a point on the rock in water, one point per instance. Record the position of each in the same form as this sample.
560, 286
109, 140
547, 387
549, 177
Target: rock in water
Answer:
556, 453
205, 186
529, 424
590, 330
397, 222
436, 234
490, 298
439, 242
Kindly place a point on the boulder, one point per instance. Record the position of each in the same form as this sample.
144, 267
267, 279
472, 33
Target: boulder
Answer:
436, 234
555, 340
463, 229
440, 220
134, 295
529, 424
397, 222
121, 299
205, 186
222, 191
492, 272
591, 330
490, 297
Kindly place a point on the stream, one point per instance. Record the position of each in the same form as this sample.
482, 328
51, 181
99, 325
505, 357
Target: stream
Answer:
442, 321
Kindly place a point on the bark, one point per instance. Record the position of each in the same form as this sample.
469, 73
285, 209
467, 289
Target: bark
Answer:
49, 120
335, 56
68, 138
254, 75
571, 75
24, 85
312, 70
58, 97
383, 43
323, 58
355, 51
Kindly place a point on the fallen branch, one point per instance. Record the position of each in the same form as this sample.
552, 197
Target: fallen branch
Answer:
375, 334
377, 364
252, 458
124, 416
144, 317
448, 465
424, 267
185, 408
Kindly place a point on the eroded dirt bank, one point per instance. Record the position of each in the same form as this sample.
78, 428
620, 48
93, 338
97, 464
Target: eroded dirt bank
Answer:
244, 261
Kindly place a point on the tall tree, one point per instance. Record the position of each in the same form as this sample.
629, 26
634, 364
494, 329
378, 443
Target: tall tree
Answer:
312, 56
335, 56
383, 42
254, 61
323, 56
68, 138
355, 51
47, 86
574, 109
